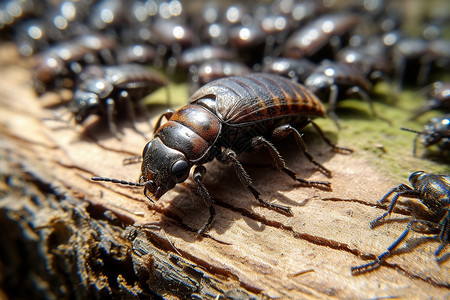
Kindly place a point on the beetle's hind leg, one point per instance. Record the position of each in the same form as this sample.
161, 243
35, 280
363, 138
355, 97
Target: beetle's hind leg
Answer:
131, 113
229, 156
377, 262
335, 148
259, 142
284, 130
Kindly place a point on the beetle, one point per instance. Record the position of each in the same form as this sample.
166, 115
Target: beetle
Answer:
331, 77
312, 38
106, 90
371, 58
436, 132
438, 97
63, 61
295, 69
433, 192
223, 118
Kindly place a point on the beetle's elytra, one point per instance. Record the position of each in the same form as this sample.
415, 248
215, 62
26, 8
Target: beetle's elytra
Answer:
223, 118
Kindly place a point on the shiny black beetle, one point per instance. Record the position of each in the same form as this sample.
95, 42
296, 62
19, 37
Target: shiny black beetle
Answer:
108, 90
436, 132
433, 192
223, 118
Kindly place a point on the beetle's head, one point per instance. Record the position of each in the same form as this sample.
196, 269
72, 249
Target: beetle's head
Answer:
162, 168
416, 177
83, 104
429, 139
318, 82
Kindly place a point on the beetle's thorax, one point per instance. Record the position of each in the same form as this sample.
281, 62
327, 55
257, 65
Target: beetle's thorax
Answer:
192, 130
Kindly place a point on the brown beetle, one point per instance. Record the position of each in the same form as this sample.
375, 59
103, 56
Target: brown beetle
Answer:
223, 118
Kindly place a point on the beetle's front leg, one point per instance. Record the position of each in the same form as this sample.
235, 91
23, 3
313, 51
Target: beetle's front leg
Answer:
229, 156
401, 190
199, 173
110, 113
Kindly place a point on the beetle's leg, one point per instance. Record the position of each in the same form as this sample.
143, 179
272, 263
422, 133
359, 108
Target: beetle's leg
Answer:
329, 143
332, 102
132, 160
416, 139
444, 236
130, 109
401, 190
229, 156
110, 112
365, 96
142, 109
284, 130
168, 114
259, 142
376, 263
199, 173
108, 56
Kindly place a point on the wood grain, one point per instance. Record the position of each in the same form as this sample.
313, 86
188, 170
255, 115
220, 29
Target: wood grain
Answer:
249, 251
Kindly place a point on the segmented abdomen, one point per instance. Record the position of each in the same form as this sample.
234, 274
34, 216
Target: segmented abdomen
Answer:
258, 97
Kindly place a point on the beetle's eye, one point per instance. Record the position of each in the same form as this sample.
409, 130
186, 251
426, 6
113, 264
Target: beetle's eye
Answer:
180, 171
144, 152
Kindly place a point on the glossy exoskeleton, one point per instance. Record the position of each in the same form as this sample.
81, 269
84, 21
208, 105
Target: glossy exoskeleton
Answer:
296, 69
226, 117
200, 54
438, 97
314, 36
408, 59
215, 69
107, 90
436, 132
433, 192
371, 59
136, 53
63, 61
334, 78
248, 40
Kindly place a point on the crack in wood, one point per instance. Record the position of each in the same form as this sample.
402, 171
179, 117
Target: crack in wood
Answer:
398, 210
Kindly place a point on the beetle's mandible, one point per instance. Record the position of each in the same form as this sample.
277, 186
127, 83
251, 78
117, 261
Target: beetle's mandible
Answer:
226, 117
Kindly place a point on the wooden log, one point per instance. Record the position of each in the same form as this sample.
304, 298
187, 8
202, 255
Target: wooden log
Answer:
65, 236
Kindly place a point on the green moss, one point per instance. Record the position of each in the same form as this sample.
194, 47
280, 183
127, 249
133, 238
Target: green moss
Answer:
385, 145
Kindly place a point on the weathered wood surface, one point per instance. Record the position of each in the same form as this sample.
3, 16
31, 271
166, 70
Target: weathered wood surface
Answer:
103, 239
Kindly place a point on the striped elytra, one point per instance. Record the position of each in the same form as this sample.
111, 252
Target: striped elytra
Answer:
259, 97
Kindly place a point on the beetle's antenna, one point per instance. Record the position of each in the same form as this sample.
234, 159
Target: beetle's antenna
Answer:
411, 130
118, 181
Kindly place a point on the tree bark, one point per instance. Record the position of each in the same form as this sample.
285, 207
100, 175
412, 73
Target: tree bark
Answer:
65, 236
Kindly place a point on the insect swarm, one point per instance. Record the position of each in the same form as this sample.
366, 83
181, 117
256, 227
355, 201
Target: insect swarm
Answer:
226, 117
433, 192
